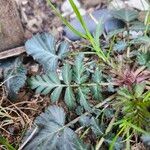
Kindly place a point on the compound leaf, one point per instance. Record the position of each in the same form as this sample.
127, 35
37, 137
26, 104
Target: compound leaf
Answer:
52, 132
43, 49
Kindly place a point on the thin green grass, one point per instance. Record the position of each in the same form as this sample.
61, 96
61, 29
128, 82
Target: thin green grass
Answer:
94, 40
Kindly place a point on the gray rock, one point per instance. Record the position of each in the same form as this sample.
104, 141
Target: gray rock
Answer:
109, 23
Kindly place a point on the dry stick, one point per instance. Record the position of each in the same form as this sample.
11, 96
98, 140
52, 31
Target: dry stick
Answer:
72, 122
12, 52
28, 139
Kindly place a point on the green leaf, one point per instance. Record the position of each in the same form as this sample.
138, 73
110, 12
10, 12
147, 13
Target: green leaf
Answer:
138, 26
42, 47
143, 58
96, 89
95, 127
52, 133
118, 144
56, 11
80, 18
69, 98
99, 32
142, 40
67, 73
79, 71
96, 92
124, 93
93, 124
115, 32
45, 83
56, 94
15, 78
139, 89
120, 46
4, 142
126, 15
83, 98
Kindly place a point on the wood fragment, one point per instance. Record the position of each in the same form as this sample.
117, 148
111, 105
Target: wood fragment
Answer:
12, 52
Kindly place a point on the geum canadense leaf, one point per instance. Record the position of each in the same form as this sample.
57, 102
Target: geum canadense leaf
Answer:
143, 58
42, 47
67, 78
44, 84
83, 96
96, 89
52, 133
79, 71
50, 83
126, 15
92, 122
15, 78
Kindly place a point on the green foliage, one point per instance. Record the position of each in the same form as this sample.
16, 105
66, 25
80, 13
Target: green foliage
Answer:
15, 77
126, 15
120, 46
134, 106
143, 59
42, 47
92, 122
52, 133
78, 84
74, 83
6, 144
94, 40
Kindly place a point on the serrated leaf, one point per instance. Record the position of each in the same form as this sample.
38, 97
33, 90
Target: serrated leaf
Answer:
97, 76
138, 26
69, 98
96, 89
95, 127
56, 94
118, 144
67, 73
96, 92
83, 98
139, 89
92, 123
115, 32
124, 93
15, 78
63, 49
42, 47
52, 132
144, 58
44, 84
79, 72
126, 15
120, 46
